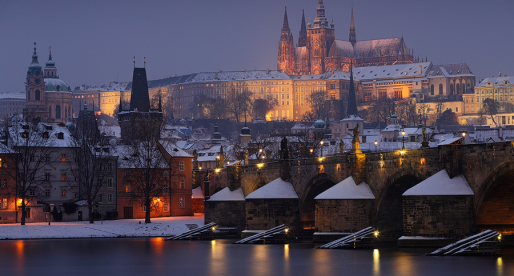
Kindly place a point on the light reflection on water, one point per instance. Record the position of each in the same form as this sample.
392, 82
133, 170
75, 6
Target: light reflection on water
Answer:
155, 256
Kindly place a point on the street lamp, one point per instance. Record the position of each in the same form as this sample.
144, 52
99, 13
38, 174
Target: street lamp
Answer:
321, 147
376, 144
463, 134
403, 139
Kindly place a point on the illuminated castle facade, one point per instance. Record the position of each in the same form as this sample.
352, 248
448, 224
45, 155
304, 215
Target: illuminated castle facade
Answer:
317, 50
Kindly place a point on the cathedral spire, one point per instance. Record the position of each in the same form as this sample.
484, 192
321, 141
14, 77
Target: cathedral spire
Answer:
34, 56
285, 26
302, 38
320, 21
352, 100
353, 38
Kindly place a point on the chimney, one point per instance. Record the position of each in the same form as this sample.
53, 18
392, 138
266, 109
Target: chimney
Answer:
420, 69
267, 71
216, 75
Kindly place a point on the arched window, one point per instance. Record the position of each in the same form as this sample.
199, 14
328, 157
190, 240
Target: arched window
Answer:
440, 89
38, 95
451, 89
432, 89
463, 88
457, 89
57, 112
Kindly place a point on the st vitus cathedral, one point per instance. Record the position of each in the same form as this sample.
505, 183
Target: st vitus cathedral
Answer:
317, 50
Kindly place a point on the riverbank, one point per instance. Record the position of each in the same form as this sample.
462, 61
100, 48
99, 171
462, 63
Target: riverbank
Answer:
160, 227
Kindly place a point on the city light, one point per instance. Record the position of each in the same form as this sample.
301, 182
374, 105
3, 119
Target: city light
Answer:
375, 234
217, 170
260, 165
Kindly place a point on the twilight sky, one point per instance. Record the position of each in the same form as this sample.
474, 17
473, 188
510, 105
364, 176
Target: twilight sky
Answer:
93, 42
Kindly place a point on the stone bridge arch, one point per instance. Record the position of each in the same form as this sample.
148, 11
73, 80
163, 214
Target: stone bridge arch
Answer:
388, 215
494, 201
316, 185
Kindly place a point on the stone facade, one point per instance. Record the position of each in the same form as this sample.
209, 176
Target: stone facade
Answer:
226, 213
264, 214
343, 215
448, 216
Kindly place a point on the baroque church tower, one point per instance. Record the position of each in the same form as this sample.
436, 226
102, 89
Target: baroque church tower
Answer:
35, 105
47, 97
286, 50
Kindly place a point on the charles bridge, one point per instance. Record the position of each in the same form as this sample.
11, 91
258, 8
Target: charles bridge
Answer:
488, 169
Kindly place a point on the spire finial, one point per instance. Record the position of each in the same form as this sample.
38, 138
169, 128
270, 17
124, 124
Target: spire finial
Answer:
35, 48
144, 58
50, 55
285, 26
353, 36
134, 61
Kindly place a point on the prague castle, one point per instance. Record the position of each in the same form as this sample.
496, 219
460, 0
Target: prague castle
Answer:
317, 51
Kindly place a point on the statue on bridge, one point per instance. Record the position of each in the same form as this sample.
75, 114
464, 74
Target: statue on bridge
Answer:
424, 144
341, 147
356, 148
284, 154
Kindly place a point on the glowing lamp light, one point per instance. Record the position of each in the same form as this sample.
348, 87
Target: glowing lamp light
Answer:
402, 152
217, 170
311, 150
228, 162
260, 150
200, 168
218, 157
500, 237
263, 157
376, 143
320, 159
375, 234
286, 230
322, 142
464, 134
260, 165
403, 132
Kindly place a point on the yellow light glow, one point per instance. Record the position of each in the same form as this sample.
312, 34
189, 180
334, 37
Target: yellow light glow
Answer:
217, 170
260, 150
263, 157
200, 168
260, 165
213, 242
464, 134
402, 152
286, 230
375, 234
320, 159
322, 142
228, 162
311, 150
500, 237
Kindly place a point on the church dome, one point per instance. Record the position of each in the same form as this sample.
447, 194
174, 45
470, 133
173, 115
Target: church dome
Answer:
319, 124
56, 85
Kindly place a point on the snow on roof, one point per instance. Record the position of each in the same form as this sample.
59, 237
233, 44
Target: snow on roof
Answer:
197, 192
392, 71
277, 188
352, 118
497, 80
347, 189
54, 131
449, 141
448, 70
173, 150
228, 195
441, 184
13, 95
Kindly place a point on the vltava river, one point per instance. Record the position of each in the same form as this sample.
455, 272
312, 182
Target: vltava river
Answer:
154, 256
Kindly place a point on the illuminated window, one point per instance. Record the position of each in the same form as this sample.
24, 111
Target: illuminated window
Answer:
4, 183
166, 207
63, 192
4, 203
63, 176
182, 202
127, 188
63, 157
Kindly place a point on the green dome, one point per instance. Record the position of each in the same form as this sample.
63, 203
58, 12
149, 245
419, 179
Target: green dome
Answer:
56, 85
319, 124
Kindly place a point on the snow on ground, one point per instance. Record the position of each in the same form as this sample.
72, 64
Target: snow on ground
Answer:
159, 227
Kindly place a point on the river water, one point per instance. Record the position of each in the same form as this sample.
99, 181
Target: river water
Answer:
154, 256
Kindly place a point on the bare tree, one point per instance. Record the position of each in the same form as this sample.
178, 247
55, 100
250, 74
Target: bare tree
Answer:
424, 111
408, 113
261, 107
382, 110
34, 143
149, 171
320, 104
238, 101
309, 116
491, 107
94, 160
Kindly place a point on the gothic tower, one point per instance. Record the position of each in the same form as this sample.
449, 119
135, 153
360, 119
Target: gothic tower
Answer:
320, 39
286, 50
35, 90
302, 37
352, 98
140, 122
353, 38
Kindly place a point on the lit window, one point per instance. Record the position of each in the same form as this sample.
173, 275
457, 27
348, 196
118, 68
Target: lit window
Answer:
182, 202
127, 188
63, 176
166, 207
63, 157
63, 192
4, 203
